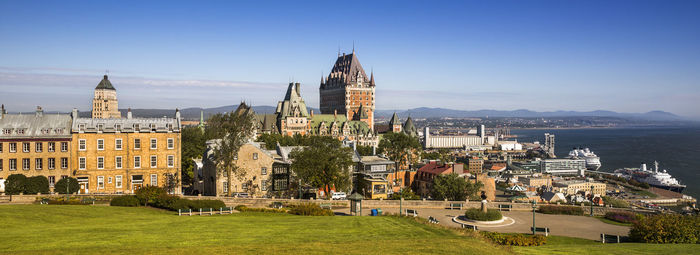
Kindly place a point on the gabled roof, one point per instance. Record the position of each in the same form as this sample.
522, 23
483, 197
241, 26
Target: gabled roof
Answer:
435, 167
105, 84
293, 102
362, 112
346, 70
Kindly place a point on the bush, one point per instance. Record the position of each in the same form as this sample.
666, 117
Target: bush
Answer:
618, 203
407, 194
667, 228
477, 214
243, 208
515, 239
127, 200
60, 186
310, 209
37, 184
556, 209
15, 184
174, 203
148, 195
622, 217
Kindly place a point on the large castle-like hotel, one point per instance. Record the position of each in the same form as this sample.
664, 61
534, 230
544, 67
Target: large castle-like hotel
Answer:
347, 107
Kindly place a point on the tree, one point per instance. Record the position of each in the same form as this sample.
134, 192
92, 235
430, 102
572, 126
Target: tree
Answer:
364, 150
399, 147
453, 187
441, 154
193, 146
72, 183
325, 163
37, 184
15, 184
149, 194
233, 129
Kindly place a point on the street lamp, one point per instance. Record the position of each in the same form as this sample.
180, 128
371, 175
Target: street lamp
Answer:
534, 205
592, 200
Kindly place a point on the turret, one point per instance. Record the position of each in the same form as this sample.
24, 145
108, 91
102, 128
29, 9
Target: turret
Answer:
128, 113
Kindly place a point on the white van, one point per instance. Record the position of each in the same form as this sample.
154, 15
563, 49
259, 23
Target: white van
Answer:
338, 196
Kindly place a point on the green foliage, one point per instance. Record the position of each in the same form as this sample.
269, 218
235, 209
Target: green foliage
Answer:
442, 154
271, 140
174, 203
243, 208
72, 183
127, 200
406, 194
399, 147
309, 209
618, 203
324, 164
364, 150
477, 214
560, 209
667, 228
622, 216
453, 187
149, 194
15, 184
193, 146
37, 184
515, 239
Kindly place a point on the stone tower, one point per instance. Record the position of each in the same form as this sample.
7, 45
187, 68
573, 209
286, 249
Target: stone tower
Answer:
395, 123
348, 90
104, 105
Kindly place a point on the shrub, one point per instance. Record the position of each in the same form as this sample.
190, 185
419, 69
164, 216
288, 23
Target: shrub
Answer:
667, 228
37, 184
243, 208
621, 216
174, 203
310, 209
60, 186
407, 194
618, 203
15, 184
556, 209
148, 195
124, 201
515, 239
477, 214
206, 203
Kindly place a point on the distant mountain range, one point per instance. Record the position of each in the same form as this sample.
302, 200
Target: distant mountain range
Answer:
422, 112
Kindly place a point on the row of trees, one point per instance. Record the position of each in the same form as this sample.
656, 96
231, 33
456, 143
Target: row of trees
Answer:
18, 183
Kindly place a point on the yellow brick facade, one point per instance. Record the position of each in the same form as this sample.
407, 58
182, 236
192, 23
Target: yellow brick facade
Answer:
47, 157
100, 171
255, 163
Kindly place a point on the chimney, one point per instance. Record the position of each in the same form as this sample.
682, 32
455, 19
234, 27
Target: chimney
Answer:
177, 113
312, 112
39, 112
2, 111
74, 113
296, 87
128, 113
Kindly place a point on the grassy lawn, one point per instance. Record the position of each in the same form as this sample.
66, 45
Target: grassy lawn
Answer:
33, 229
608, 221
570, 245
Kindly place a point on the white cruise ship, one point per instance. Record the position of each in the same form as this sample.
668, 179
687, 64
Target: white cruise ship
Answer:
592, 160
660, 179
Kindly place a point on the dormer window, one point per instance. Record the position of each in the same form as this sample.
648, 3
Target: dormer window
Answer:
117, 127
137, 127
100, 127
58, 131
45, 130
170, 126
81, 127
21, 131
7, 131
153, 127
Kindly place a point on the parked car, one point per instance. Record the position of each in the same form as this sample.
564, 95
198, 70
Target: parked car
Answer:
338, 196
241, 195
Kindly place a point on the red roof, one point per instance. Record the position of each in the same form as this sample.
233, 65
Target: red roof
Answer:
435, 167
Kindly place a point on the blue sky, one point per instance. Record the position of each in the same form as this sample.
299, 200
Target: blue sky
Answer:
626, 56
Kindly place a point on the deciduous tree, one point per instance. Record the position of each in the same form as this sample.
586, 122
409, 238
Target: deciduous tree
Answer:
324, 164
453, 187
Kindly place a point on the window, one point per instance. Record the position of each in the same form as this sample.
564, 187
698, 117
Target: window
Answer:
226, 187
13, 164
154, 161
137, 127
51, 146
25, 164
117, 144
109, 180
154, 180
255, 155
81, 163
38, 147
81, 127
1, 165
171, 161
100, 163
100, 182
137, 144
118, 162
100, 144
52, 181
263, 171
100, 127
52, 163
25, 147
263, 185
117, 127
154, 143
137, 161
13, 147
244, 186
171, 143
81, 145
0, 147
38, 163
64, 146
118, 181
64, 163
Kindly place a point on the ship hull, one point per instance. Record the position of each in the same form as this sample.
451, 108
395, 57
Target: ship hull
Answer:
677, 189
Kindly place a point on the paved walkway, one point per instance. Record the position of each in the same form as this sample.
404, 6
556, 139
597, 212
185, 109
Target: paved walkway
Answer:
560, 225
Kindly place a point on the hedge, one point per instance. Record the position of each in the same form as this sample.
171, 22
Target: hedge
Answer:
667, 228
175, 203
127, 200
618, 203
310, 209
15, 184
148, 195
556, 209
515, 239
243, 208
37, 184
477, 214
60, 186
622, 216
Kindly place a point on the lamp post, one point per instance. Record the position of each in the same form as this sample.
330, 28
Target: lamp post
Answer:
534, 205
592, 200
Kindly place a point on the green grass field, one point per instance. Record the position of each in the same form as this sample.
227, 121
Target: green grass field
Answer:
569, 245
32, 229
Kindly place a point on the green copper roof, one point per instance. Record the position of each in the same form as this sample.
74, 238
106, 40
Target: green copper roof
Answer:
409, 128
394, 120
105, 84
356, 127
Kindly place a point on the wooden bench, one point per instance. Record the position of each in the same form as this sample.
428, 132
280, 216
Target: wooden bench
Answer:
472, 227
544, 230
277, 205
326, 206
433, 220
89, 200
456, 206
502, 207
411, 212
607, 238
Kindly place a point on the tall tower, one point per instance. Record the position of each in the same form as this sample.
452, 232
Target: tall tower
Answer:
104, 105
348, 90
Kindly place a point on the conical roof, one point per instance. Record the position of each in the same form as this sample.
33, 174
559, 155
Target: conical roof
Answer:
409, 128
105, 84
394, 120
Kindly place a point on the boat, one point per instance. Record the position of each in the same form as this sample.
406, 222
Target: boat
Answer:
655, 178
592, 160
